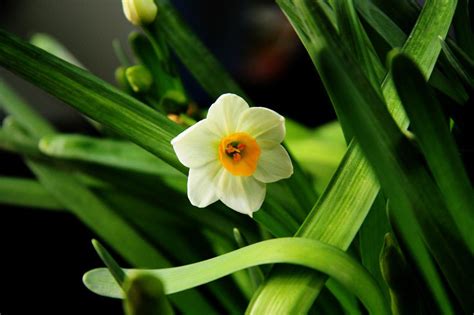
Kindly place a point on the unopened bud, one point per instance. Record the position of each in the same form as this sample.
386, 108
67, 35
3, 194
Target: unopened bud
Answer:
140, 12
139, 78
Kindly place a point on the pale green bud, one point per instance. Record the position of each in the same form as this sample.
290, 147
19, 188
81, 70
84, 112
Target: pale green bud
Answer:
140, 12
139, 78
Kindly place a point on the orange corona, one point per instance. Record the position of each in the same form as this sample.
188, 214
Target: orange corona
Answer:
239, 154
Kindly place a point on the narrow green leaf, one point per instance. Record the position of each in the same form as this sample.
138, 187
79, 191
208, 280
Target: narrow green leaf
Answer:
255, 273
168, 88
23, 192
96, 215
353, 33
113, 266
145, 296
402, 12
347, 300
342, 208
309, 253
432, 133
463, 27
381, 23
108, 152
92, 96
456, 64
16, 142
54, 47
120, 53
16, 106
371, 236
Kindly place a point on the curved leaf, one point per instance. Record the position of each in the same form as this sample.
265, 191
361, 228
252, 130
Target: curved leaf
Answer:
309, 253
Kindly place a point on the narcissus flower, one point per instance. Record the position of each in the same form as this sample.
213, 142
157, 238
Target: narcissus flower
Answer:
233, 153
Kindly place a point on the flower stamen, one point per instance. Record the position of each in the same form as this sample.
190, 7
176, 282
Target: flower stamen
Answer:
239, 154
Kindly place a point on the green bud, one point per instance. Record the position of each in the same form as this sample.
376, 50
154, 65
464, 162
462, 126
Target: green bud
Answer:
144, 294
140, 12
139, 78
399, 278
121, 79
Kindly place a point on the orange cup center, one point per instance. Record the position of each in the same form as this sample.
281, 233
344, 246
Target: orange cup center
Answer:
239, 154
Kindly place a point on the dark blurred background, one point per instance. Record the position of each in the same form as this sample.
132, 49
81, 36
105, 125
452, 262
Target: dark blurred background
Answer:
43, 255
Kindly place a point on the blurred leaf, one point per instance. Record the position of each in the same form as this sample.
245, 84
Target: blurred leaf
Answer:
319, 151
154, 54
26, 193
304, 252
17, 143
109, 152
96, 215
54, 47
145, 295
16, 106
193, 54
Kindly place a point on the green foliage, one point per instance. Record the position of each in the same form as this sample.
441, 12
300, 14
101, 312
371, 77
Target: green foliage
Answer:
378, 213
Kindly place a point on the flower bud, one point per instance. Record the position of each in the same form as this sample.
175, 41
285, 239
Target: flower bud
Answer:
140, 12
139, 78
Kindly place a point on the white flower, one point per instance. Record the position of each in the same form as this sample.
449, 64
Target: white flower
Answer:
139, 11
233, 153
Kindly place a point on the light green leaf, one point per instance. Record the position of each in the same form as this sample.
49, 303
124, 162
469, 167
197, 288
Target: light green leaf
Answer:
16, 106
108, 152
309, 253
28, 193
54, 47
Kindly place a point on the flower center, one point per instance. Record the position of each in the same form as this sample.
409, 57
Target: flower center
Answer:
239, 154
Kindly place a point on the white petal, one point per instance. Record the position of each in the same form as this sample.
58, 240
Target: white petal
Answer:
243, 194
274, 164
202, 183
197, 145
265, 125
225, 113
